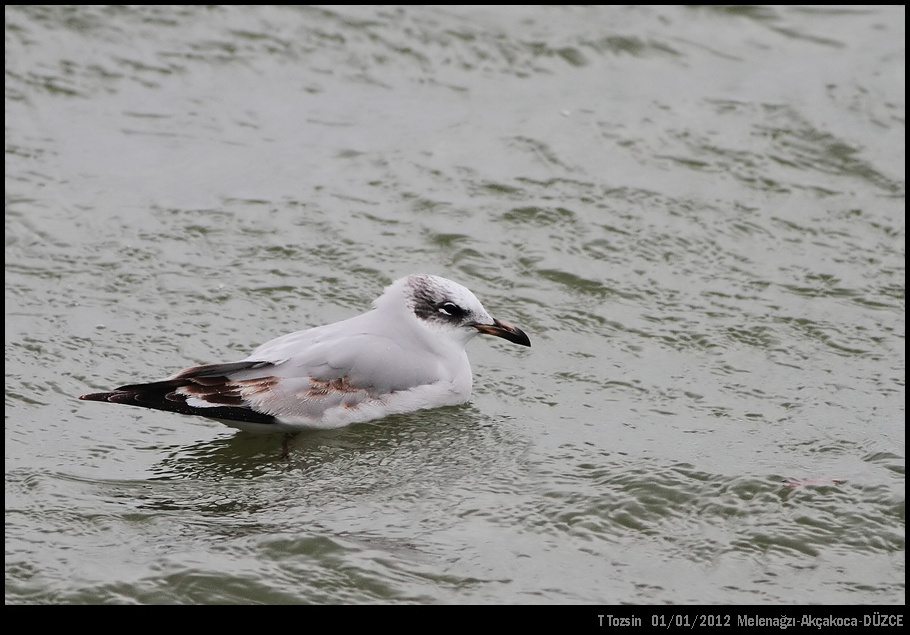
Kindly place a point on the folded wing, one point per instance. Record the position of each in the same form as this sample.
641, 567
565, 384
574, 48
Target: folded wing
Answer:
304, 376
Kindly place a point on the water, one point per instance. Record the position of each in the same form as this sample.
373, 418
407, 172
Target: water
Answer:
697, 214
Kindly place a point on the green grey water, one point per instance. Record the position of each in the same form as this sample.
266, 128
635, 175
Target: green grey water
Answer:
696, 213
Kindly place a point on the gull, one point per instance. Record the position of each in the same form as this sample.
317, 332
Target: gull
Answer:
407, 353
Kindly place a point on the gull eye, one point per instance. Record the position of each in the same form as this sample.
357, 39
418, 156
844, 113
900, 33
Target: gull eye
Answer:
451, 309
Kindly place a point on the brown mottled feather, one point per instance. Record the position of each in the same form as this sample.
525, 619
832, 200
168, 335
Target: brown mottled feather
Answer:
199, 382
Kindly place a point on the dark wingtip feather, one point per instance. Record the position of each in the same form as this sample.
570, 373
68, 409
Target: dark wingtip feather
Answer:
96, 396
157, 396
208, 383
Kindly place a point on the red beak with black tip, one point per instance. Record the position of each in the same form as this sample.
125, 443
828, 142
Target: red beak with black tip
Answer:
504, 330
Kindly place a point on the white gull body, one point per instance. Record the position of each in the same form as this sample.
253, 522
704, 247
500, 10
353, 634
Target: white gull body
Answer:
407, 353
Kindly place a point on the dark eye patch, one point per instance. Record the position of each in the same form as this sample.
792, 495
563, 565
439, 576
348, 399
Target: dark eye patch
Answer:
451, 309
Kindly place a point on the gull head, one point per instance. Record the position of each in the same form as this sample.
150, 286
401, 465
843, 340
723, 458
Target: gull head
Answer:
446, 307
